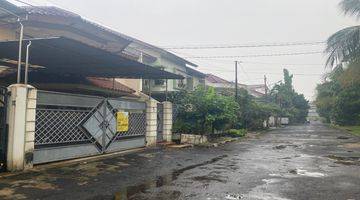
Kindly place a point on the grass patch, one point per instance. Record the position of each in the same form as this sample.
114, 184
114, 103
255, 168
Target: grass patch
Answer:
355, 130
236, 132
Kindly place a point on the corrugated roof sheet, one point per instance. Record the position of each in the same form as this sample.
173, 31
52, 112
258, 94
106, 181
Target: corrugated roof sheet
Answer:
50, 10
8, 8
64, 55
55, 11
194, 72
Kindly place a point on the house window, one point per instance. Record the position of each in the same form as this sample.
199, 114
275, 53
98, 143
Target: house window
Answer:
159, 82
180, 83
190, 83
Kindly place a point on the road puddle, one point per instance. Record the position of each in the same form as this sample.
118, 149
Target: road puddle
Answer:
345, 160
208, 179
234, 196
271, 181
134, 192
302, 172
280, 147
343, 138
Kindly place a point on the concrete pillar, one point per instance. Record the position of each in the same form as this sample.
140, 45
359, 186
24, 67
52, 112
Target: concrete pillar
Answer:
151, 122
21, 120
168, 121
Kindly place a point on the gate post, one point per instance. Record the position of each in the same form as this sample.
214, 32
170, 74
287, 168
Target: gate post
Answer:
151, 122
168, 121
21, 120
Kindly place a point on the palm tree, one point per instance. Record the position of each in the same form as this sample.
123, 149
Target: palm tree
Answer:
344, 46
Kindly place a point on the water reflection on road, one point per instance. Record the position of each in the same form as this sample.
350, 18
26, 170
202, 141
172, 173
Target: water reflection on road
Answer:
129, 193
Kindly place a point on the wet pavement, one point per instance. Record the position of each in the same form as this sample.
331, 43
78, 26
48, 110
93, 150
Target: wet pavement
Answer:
296, 162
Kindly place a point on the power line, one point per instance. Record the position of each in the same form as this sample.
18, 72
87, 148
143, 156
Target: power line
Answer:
242, 69
297, 64
187, 55
271, 73
234, 46
260, 55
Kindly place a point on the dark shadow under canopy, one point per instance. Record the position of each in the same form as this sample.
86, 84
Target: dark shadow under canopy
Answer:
67, 56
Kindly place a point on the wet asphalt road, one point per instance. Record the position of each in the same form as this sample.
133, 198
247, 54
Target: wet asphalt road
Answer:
297, 162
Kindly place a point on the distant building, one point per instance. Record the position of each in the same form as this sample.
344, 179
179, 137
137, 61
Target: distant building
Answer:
220, 83
312, 110
217, 82
257, 90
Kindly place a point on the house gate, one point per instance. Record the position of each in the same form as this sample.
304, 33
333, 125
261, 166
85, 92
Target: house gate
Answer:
3, 127
72, 126
160, 119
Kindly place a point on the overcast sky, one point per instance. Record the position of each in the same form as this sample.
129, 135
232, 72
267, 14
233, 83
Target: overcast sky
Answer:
227, 22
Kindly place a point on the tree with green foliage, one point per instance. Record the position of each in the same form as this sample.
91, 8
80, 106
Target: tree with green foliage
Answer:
292, 105
203, 111
252, 113
338, 98
344, 45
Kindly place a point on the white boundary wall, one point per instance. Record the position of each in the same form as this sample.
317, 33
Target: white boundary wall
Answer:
21, 120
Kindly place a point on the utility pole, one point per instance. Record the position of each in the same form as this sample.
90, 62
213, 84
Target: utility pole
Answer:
265, 84
236, 81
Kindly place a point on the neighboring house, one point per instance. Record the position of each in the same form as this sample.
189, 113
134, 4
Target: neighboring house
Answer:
44, 22
220, 83
217, 82
47, 22
165, 60
259, 90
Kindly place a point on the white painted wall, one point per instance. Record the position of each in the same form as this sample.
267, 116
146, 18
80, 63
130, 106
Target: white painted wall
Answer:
21, 120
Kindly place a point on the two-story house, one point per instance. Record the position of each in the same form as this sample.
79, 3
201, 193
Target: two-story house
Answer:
165, 60
45, 22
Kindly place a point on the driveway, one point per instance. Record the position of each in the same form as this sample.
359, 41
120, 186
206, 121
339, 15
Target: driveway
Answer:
296, 162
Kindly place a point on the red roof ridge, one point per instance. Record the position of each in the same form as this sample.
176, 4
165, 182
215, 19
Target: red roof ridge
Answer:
107, 83
215, 79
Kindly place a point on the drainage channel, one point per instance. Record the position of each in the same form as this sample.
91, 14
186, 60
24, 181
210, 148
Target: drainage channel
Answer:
128, 192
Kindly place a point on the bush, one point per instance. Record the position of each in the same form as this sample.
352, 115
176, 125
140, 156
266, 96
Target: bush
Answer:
346, 110
338, 98
292, 104
252, 114
203, 111
237, 132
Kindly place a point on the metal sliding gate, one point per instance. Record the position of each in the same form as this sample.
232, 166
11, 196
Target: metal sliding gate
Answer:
3, 127
160, 119
72, 126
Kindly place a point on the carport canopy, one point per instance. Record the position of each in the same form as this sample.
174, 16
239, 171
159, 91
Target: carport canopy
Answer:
68, 56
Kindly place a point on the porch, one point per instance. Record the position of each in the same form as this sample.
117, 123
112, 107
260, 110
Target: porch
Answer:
53, 126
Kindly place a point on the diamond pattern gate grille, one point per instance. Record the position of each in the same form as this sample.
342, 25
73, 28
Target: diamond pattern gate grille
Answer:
60, 126
137, 126
68, 125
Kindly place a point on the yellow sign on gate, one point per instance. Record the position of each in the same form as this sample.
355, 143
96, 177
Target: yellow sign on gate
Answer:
122, 121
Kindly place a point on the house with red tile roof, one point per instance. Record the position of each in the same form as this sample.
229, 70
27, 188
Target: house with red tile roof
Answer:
220, 83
